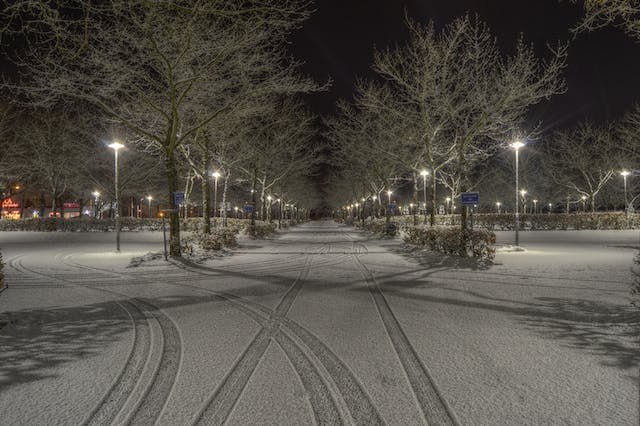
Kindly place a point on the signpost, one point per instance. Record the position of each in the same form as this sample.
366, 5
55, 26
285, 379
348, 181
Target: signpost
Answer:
164, 228
178, 198
470, 198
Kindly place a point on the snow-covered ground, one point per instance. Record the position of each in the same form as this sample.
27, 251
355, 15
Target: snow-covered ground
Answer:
320, 325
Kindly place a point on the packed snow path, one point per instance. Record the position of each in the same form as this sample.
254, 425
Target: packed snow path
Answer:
321, 325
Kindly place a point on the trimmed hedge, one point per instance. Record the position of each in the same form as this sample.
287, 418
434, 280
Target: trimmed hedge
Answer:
531, 222
449, 240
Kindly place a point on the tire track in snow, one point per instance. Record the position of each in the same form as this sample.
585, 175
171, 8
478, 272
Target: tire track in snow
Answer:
221, 403
112, 403
357, 401
430, 400
149, 408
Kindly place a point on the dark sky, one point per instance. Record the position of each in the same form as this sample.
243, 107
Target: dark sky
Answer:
602, 75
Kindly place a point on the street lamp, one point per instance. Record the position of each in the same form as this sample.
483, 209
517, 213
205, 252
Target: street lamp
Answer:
535, 206
149, 198
215, 175
516, 146
269, 198
584, 204
96, 195
498, 204
624, 174
524, 201
389, 192
448, 200
116, 146
424, 175
550, 208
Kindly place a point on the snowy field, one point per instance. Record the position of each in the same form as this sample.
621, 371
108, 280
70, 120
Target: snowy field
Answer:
320, 325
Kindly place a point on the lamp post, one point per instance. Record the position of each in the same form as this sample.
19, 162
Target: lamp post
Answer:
149, 198
624, 174
389, 192
584, 203
116, 146
516, 146
215, 175
535, 206
269, 198
524, 201
424, 175
550, 208
498, 204
96, 195
448, 200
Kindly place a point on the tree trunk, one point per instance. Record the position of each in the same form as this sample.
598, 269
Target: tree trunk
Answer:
174, 221
206, 195
434, 201
253, 198
227, 175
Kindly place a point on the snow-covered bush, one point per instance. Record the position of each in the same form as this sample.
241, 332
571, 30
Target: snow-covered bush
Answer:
448, 240
216, 240
635, 287
261, 230
1, 272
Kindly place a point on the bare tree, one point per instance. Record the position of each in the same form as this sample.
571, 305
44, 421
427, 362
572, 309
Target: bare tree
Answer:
624, 14
582, 160
148, 66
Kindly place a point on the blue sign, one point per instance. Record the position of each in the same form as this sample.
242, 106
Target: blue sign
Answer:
248, 208
470, 198
392, 206
178, 198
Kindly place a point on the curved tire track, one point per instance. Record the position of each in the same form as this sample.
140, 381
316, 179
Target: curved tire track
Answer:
434, 407
150, 406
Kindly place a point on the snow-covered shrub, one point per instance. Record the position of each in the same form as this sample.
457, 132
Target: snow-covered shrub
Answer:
635, 287
216, 240
261, 230
449, 240
1, 272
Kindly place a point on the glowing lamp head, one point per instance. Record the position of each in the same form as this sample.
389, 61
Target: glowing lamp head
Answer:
115, 146
389, 192
96, 194
523, 192
498, 203
625, 173
516, 145
424, 173
149, 197
215, 175
269, 197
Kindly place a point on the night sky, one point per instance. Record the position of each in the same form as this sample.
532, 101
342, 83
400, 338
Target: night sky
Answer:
602, 74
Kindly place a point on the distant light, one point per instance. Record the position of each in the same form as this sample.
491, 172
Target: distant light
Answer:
95, 194
498, 203
115, 145
625, 173
374, 198
149, 197
424, 173
269, 197
389, 192
523, 192
215, 175
584, 197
